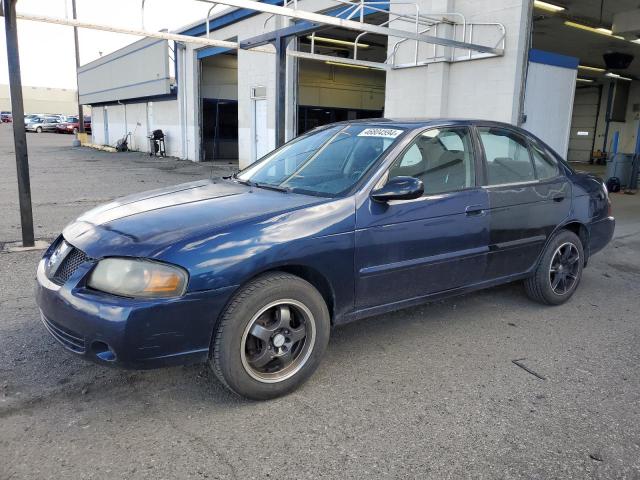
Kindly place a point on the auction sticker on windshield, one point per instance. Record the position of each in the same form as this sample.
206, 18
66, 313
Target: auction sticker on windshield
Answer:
380, 132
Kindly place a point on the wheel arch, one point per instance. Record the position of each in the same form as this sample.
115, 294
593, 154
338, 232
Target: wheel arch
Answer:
307, 273
312, 275
583, 234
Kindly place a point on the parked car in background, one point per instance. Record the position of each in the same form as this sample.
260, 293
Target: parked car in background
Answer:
6, 117
65, 122
32, 116
249, 272
42, 124
71, 125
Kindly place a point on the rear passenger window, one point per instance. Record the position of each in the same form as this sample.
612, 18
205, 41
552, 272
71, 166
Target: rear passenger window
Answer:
441, 157
507, 155
546, 167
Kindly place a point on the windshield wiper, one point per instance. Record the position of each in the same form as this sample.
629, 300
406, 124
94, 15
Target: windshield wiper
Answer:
269, 186
266, 186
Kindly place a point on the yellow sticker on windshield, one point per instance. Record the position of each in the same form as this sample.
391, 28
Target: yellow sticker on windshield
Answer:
380, 132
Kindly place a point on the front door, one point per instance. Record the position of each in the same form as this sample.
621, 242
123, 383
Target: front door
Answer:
528, 198
407, 249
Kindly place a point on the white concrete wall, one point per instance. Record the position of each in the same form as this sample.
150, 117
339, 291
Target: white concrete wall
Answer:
549, 104
163, 115
137, 125
139, 119
97, 125
487, 88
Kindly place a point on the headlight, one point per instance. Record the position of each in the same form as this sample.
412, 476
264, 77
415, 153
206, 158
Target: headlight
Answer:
138, 278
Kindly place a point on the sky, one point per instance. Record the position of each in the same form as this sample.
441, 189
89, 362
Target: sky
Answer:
47, 57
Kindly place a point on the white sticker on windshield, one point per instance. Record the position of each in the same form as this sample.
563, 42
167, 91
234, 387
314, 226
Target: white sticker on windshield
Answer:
380, 132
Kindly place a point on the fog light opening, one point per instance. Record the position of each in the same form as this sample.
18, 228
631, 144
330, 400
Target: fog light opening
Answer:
103, 351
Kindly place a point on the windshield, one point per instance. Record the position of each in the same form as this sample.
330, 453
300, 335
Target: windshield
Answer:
325, 162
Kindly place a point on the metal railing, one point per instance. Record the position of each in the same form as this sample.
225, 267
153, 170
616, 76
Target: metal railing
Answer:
442, 26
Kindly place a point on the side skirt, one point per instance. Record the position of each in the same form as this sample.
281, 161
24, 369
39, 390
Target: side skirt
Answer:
392, 307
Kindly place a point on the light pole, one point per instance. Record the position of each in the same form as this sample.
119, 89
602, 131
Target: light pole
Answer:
17, 111
75, 37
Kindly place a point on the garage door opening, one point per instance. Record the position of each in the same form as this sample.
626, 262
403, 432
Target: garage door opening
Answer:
332, 91
219, 107
605, 115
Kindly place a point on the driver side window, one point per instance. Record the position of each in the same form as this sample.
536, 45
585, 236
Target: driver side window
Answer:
442, 158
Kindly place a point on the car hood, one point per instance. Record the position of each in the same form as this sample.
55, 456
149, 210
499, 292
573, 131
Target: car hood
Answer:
145, 224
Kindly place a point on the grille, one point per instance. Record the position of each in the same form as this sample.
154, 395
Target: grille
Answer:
69, 265
69, 339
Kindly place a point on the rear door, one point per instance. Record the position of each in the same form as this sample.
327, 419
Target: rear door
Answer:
528, 197
408, 249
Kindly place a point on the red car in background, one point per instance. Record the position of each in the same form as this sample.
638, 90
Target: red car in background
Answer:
6, 117
71, 125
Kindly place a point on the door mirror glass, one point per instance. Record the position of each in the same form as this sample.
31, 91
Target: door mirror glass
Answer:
399, 188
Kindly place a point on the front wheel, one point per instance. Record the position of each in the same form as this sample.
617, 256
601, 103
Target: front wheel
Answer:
559, 272
271, 337
39, 130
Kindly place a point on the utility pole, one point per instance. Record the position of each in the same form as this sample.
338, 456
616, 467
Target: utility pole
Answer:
75, 37
17, 111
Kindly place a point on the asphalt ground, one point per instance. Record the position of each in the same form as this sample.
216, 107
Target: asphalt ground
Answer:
426, 392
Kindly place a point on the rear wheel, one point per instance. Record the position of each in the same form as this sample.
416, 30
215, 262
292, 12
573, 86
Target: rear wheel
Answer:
39, 130
271, 337
75, 130
559, 271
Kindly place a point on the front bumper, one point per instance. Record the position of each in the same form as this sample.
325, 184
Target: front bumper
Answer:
130, 333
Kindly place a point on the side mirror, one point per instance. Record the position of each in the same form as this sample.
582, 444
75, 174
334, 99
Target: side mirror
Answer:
399, 188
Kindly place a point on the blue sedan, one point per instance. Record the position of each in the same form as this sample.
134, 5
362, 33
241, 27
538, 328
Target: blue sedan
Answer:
353, 219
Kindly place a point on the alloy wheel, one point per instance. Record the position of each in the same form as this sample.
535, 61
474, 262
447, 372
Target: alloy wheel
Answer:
278, 341
564, 268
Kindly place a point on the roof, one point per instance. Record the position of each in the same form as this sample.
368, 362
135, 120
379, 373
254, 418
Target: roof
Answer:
425, 122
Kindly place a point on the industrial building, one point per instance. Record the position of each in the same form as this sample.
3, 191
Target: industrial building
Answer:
563, 70
43, 100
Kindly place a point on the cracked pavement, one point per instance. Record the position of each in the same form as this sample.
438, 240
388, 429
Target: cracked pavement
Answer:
427, 392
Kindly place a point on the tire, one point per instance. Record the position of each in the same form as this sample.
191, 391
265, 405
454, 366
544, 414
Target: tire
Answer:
75, 131
559, 271
255, 328
39, 130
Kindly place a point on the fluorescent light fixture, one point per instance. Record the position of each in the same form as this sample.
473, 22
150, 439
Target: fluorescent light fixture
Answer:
616, 76
599, 30
636, 41
340, 64
335, 41
584, 80
591, 69
582, 133
549, 7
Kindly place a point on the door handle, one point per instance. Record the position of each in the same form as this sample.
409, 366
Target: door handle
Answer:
558, 198
474, 210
